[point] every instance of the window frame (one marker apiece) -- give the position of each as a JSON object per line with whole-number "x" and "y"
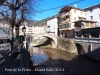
{"x": 91, "y": 17}
{"x": 91, "y": 10}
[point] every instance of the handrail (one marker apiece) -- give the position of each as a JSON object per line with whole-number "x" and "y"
{"x": 90, "y": 40}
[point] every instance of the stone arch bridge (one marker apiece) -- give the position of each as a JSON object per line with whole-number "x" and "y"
{"x": 59, "y": 42}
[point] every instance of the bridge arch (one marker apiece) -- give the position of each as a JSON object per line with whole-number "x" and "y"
{"x": 80, "y": 49}
{"x": 52, "y": 39}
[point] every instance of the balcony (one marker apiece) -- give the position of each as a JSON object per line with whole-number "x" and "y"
{"x": 88, "y": 35}
{"x": 64, "y": 20}
{"x": 64, "y": 26}
{"x": 64, "y": 15}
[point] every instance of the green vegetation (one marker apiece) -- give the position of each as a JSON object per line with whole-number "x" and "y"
{"x": 41, "y": 23}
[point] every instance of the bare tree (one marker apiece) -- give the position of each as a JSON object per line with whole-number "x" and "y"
{"x": 2, "y": 1}
{"x": 15, "y": 11}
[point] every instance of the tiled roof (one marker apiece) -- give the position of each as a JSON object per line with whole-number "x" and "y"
{"x": 68, "y": 8}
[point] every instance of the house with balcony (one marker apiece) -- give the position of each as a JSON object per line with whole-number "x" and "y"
{"x": 67, "y": 15}
{"x": 87, "y": 38}
{"x": 85, "y": 31}
{"x": 93, "y": 13}
{"x": 52, "y": 25}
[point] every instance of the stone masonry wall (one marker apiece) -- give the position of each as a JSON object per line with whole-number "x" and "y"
{"x": 91, "y": 49}
{"x": 67, "y": 44}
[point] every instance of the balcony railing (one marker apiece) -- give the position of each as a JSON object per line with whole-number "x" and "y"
{"x": 89, "y": 40}
{"x": 64, "y": 26}
{"x": 63, "y": 21}
{"x": 64, "y": 15}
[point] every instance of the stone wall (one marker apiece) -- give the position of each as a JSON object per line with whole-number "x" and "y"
{"x": 67, "y": 44}
{"x": 91, "y": 49}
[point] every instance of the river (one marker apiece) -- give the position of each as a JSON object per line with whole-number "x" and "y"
{"x": 57, "y": 62}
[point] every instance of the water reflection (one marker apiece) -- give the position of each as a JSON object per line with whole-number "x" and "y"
{"x": 72, "y": 64}
{"x": 39, "y": 56}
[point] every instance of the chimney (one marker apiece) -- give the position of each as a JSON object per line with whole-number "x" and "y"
{"x": 75, "y": 5}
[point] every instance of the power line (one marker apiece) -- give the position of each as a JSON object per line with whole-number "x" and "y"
{"x": 61, "y": 6}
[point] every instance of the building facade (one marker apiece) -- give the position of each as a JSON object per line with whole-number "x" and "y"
{"x": 82, "y": 30}
{"x": 33, "y": 30}
{"x": 93, "y": 13}
{"x": 87, "y": 38}
{"x": 52, "y": 25}
{"x": 39, "y": 29}
{"x": 67, "y": 15}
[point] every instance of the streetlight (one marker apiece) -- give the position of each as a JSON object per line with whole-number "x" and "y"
{"x": 24, "y": 30}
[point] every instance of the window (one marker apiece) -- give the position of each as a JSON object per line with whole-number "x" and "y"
{"x": 64, "y": 26}
{"x": 48, "y": 26}
{"x": 91, "y": 24}
{"x": 78, "y": 34}
{"x": 86, "y": 34}
{"x": 90, "y": 10}
{"x": 91, "y": 17}
{"x": 95, "y": 34}
{"x": 87, "y": 24}
{"x": 60, "y": 26}
{"x": 63, "y": 13}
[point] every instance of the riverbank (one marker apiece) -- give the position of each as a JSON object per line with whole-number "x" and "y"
{"x": 64, "y": 63}
{"x": 60, "y": 51}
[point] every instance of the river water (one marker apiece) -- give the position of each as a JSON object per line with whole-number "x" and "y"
{"x": 56, "y": 62}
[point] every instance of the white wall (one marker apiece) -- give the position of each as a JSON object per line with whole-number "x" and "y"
{"x": 76, "y": 15}
{"x": 95, "y": 13}
{"x": 53, "y": 23}
{"x": 39, "y": 29}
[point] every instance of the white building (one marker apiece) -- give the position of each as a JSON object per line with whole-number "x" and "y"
{"x": 39, "y": 29}
{"x": 93, "y": 13}
{"x": 52, "y": 25}
{"x": 33, "y": 29}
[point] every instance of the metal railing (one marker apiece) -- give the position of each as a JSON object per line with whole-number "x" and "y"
{"x": 89, "y": 40}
